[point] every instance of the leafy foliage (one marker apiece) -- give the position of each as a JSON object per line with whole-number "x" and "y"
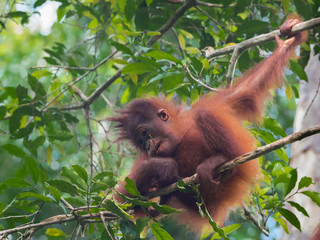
{"x": 59, "y": 160}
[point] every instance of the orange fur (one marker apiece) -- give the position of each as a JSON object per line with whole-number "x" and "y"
{"x": 207, "y": 135}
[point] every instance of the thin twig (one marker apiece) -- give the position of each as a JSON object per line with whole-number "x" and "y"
{"x": 208, "y": 16}
{"x": 105, "y": 224}
{"x": 314, "y": 97}
{"x": 58, "y": 219}
{"x": 213, "y": 4}
{"x": 232, "y": 64}
{"x": 198, "y": 80}
{"x": 255, "y": 221}
{"x": 172, "y": 21}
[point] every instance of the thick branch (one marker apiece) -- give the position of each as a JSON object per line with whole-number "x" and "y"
{"x": 264, "y": 38}
{"x": 243, "y": 158}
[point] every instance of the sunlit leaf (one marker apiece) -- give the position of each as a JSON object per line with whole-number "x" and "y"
{"x": 159, "y": 232}
{"x": 160, "y": 55}
{"x": 55, "y": 232}
{"x": 131, "y": 187}
{"x": 305, "y": 182}
{"x": 227, "y": 230}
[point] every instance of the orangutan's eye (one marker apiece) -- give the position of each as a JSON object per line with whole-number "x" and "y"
{"x": 163, "y": 114}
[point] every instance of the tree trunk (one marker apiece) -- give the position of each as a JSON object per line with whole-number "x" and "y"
{"x": 306, "y": 153}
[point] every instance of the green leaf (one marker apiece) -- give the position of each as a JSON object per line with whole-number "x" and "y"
{"x": 141, "y": 223}
{"x": 285, "y": 5}
{"x": 128, "y": 230}
{"x": 17, "y": 182}
{"x": 55, "y": 193}
{"x": 283, "y": 224}
{"x": 105, "y": 180}
{"x": 160, "y": 55}
{"x": 32, "y": 168}
{"x": 290, "y": 217}
{"x": 130, "y": 9}
{"x": 81, "y": 172}
{"x": 164, "y": 209}
{"x": 162, "y": 76}
{"x": 14, "y": 121}
{"x": 253, "y": 27}
{"x": 148, "y": 2}
{"x": 299, "y": 208}
{"x": 64, "y": 186}
{"x": 38, "y": 3}
{"x": 303, "y": 8}
{"x": 36, "y": 86}
{"x": 131, "y": 187}
{"x": 70, "y": 118}
{"x": 305, "y": 182}
{"x": 227, "y": 230}
{"x": 61, "y": 136}
{"x": 22, "y": 93}
{"x": 292, "y": 181}
{"x": 51, "y": 61}
{"x": 14, "y": 150}
{"x": 33, "y": 195}
{"x": 73, "y": 177}
{"x": 314, "y": 196}
{"x": 3, "y": 206}
{"x": 297, "y": 69}
{"x": 159, "y": 232}
{"x": 17, "y": 14}
{"x": 55, "y": 232}
{"x": 137, "y": 68}
{"x": 283, "y": 178}
{"x": 24, "y": 132}
{"x": 123, "y": 48}
{"x": 141, "y": 18}
{"x": 274, "y": 126}
{"x": 3, "y": 111}
{"x": 33, "y": 146}
{"x": 114, "y": 208}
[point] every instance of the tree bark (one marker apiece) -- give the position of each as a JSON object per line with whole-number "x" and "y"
{"x": 306, "y": 153}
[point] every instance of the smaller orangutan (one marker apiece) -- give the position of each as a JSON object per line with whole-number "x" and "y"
{"x": 175, "y": 142}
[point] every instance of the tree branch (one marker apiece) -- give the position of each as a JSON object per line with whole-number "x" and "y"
{"x": 232, "y": 64}
{"x": 173, "y": 187}
{"x": 243, "y": 158}
{"x": 58, "y": 219}
{"x": 264, "y": 38}
{"x": 259, "y": 40}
